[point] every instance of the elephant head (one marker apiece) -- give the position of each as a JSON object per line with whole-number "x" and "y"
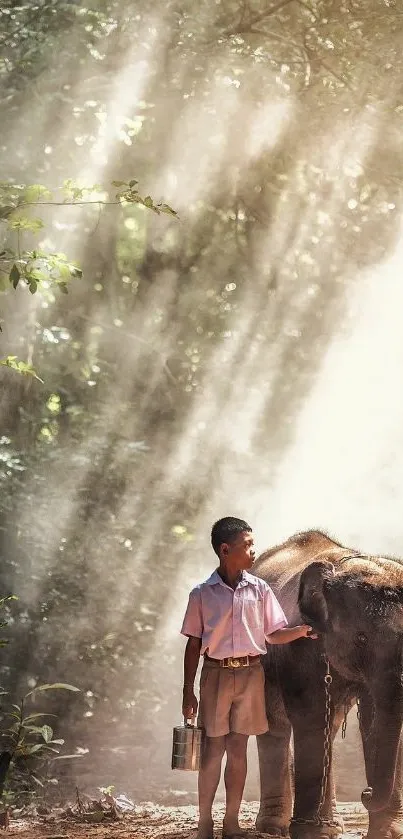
{"x": 359, "y": 613}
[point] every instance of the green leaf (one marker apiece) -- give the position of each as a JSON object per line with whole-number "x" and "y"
{"x": 19, "y": 221}
{"x": 15, "y": 275}
{"x": 132, "y": 183}
{"x": 32, "y": 729}
{"x": 119, "y": 183}
{"x": 32, "y": 717}
{"x": 148, "y": 202}
{"x": 47, "y": 733}
{"x": 35, "y": 274}
{"x": 165, "y": 208}
{"x": 63, "y": 288}
{"x": 33, "y": 285}
{"x": 30, "y": 750}
{"x": 20, "y": 366}
{"x": 64, "y": 270}
{"x": 34, "y": 193}
{"x": 55, "y": 686}
{"x": 107, "y": 790}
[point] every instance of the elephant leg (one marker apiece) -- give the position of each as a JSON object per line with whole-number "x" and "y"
{"x": 307, "y": 822}
{"x": 382, "y": 826}
{"x": 388, "y": 823}
{"x": 275, "y": 782}
{"x": 274, "y": 764}
{"x": 343, "y": 704}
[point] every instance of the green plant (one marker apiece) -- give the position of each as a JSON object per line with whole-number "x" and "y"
{"x": 22, "y": 367}
{"x": 41, "y": 269}
{"x": 38, "y": 267}
{"x": 29, "y": 747}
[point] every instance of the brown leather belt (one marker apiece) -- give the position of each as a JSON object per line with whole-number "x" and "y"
{"x": 233, "y": 662}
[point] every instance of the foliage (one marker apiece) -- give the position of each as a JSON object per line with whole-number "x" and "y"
{"x": 129, "y": 194}
{"x": 30, "y": 745}
{"x": 174, "y": 374}
{"x": 20, "y": 366}
{"x": 39, "y": 268}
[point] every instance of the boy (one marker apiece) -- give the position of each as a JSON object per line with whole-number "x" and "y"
{"x": 228, "y": 620}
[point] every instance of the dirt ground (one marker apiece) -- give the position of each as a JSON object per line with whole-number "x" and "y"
{"x": 149, "y": 821}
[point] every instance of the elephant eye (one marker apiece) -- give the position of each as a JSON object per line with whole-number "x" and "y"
{"x": 361, "y": 638}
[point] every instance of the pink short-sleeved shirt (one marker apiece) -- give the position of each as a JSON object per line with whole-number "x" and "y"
{"x": 233, "y": 622}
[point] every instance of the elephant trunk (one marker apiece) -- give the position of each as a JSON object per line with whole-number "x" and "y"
{"x": 385, "y": 747}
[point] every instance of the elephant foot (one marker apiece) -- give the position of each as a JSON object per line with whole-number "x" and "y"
{"x": 381, "y": 828}
{"x": 265, "y": 826}
{"x": 328, "y": 829}
{"x": 274, "y": 825}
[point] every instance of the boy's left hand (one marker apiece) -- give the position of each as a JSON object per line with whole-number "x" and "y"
{"x": 308, "y": 632}
{"x": 189, "y": 704}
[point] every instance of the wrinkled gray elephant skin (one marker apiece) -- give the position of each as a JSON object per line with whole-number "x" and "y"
{"x": 355, "y": 604}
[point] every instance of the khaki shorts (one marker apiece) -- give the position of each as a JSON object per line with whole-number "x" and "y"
{"x": 232, "y": 700}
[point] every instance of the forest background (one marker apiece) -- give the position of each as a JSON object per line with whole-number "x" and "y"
{"x": 238, "y": 354}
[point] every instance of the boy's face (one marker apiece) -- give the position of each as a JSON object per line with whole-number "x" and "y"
{"x": 240, "y": 552}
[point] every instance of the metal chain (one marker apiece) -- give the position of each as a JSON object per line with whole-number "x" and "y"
{"x": 327, "y": 745}
{"x": 344, "y": 723}
{"x": 318, "y": 822}
{"x": 359, "y": 718}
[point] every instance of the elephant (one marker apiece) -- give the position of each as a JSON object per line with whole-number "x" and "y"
{"x": 354, "y": 603}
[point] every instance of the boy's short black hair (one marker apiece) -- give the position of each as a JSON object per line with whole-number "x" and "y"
{"x": 224, "y": 530}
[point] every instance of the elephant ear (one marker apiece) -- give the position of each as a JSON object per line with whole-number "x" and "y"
{"x": 311, "y": 598}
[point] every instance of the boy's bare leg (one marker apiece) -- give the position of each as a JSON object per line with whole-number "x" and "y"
{"x": 234, "y": 778}
{"x": 209, "y": 778}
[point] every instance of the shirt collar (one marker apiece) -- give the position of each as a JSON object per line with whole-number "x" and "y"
{"x": 246, "y": 579}
{"x": 249, "y": 578}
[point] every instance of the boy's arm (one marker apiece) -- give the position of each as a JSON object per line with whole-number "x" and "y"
{"x": 192, "y": 627}
{"x": 190, "y": 665}
{"x": 292, "y": 633}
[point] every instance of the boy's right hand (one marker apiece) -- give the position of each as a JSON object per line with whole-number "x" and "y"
{"x": 189, "y": 704}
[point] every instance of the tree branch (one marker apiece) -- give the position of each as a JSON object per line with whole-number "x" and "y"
{"x": 240, "y": 28}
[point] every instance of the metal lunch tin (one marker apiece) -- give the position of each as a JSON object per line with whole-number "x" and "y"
{"x": 186, "y": 747}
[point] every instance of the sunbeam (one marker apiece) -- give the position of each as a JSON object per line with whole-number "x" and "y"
{"x": 242, "y": 358}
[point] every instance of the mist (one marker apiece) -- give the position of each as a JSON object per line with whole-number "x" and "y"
{"x": 241, "y": 359}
